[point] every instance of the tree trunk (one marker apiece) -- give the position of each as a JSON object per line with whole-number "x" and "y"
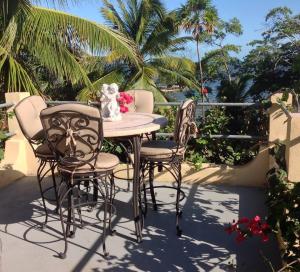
{"x": 226, "y": 66}
{"x": 201, "y": 77}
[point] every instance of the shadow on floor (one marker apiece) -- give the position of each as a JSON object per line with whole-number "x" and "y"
{"x": 204, "y": 246}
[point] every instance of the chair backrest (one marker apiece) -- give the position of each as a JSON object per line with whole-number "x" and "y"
{"x": 185, "y": 126}
{"x": 27, "y": 112}
{"x": 142, "y": 101}
{"x": 74, "y": 133}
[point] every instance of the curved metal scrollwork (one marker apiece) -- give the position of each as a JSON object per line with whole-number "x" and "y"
{"x": 186, "y": 127}
{"x": 75, "y": 138}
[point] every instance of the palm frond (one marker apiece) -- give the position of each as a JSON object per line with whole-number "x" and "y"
{"x": 179, "y": 69}
{"x": 14, "y": 75}
{"x": 90, "y": 93}
{"x": 87, "y": 35}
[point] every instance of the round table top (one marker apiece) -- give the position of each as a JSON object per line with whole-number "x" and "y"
{"x": 134, "y": 123}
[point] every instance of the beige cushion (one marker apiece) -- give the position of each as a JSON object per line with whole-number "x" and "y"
{"x": 143, "y": 101}
{"x": 160, "y": 149}
{"x": 85, "y": 126}
{"x": 27, "y": 112}
{"x": 43, "y": 151}
{"x": 104, "y": 162}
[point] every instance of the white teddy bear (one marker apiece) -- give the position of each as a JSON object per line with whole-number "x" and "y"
{"x": 109, "y": 103}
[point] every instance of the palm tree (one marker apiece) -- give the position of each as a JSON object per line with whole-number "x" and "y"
{"x": 51, "y": 37}
{"x": 155, "y": 33}
{"x": 199, "y": 18}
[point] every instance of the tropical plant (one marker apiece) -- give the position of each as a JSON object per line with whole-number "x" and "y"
{"x": 154, "y": 31}
{"x": 199, "y": 18}
{"x": 274, "y": 62}
{"x": 283, "y": 201}
{"x": 219, "y": 63}
{"x": 50, "y": 39}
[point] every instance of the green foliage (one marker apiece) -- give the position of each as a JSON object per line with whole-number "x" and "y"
{"x": 273, "y": 62}
{"x": 170, "y": 114}
{"x": 154, "y": 32}
{"x": 283, "y": 201}
{"x": 51, "y": 39}
{"x": 220, "y": 151}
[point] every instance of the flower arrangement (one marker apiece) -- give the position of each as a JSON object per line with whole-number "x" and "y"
{"x": 123, "y": 100}
{"x": 246, "y": 227}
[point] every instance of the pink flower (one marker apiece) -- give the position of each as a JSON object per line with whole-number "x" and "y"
{"x": 123, "y": 109}
{"x": 256, "y": 218}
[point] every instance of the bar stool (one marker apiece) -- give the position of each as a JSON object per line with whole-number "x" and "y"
{"x": 169, "y": 155}
{"x": 74, "y": 133}
{"x": 27, "y": 113}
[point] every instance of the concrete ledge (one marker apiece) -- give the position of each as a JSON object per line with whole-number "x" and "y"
{"x": 252, "y": 174}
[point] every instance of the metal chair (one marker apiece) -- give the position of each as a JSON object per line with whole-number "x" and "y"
{"x": 74, "y": 132}
{"x": 169, "y": 154}
{"x": 27, "y": 113}
{"x": 143, "y": 102}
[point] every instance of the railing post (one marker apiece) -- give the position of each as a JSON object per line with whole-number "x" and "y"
{"x": 18, "y": 157}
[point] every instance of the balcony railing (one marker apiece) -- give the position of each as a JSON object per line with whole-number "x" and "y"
{"x": 199, "y": 104}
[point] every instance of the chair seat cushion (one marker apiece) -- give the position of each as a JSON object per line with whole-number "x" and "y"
{"x": 44, "y": 152}
{"x": 160, "y": 149}
{"x": 104, "y": 162}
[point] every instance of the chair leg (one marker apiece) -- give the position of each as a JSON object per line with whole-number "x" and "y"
{"x": 106, "y": 201}
{"x": 68, "y": 228}
{"x": 178, "y": 212}
{"x": 40, "y": 179}
{"x": 63, "y": 254}
{"x": 127, "y": 169}
{"x": 151, "y": 179}
{"x": 111, "y": 202}
{"x": 52, "y": 166}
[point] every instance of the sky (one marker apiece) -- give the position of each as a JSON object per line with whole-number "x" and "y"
{"x": 250, "y": 13}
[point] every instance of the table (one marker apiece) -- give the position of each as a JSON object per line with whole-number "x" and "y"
{"x": 131, "y": 127}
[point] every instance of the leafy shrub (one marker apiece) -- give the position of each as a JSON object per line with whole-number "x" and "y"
{"x": 283, "y": 201}
{"x": 221, "y": 151}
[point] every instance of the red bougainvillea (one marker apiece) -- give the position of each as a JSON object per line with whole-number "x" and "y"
{"x": 204, "y": 91}
{"x": 246, "y": 227}
{"x": 124, "y": 100}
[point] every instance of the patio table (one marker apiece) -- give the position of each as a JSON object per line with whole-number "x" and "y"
{"x": 131, "y": 127}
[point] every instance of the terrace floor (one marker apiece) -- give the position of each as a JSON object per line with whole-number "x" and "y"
{"x": 204, "y": 246}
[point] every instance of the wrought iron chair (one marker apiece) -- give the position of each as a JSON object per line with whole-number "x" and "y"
{"x": 169, "y": 154}
{"x": 27, "y": 113}
{"x": 74, "y": 132}
{"x": 143, "y": 102}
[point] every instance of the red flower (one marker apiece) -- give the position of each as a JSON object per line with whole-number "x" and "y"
{"x": 246, "y": 227}
{"x": 256, "y": 218}
{"x": 123, "y": 109}
{"x": 204, "y": 91}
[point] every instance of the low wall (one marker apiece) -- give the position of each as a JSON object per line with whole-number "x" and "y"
{"x": 251, "y": 174}
{"x": 19, "y": 159}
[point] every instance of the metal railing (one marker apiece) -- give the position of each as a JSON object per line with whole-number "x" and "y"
{"x": 3, "y": 106}
{"x": 6, "y": 105}
{"x": 172, "y": 104}
{"x": 217, "y": 104}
